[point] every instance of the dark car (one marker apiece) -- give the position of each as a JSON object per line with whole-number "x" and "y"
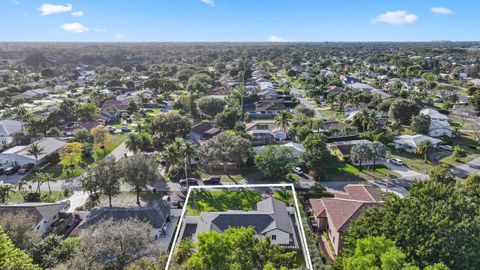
{"x": 191, "y": 181}
{"x": 212, "y": 180}
{"x": 26, "y": 168}
{"x": 474, "y": 166}
{"x": 11, "y": 170}
{"x": 125, "y": 129}
{"x": 163, "y": 163}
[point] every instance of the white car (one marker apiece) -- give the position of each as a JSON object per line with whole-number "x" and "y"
{"x": 396, "y": 161}
{"x": 298, "y": 170}
{"x": 445, "y": 147}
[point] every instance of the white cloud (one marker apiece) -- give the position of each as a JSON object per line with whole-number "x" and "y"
{"x": 395, "y": 17}
{"x": 47, "y": 9}
{"x": 120, "y": 36}
{"x": 275, "y": 39}
{"x": 16, "y": 2}
{"x": 442, "y": 10}
{"x": 209, "y": 2}
{"x": 77, "y": 13}
{"x": 74, "y": 27}
{"x": 100, "y": 30}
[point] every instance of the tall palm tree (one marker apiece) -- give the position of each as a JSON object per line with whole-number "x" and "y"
{"x": 132, "y": 143}
{"x": 5, "y": 192}
{"x": 283, "y": 119}
{"x": 424, "y": 149}
{"x": 41, "y": 178}
{"x": 22, "y": 114}
{"x": 362, "y": 118}
{"x": 35, "y": 150}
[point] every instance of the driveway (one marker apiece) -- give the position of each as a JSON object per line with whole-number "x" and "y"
{"x": 405, "y": 172}
{"x": 305, "y": 102}
{"x": 465, "y": 170}
{"x": 76, "y": 200}
{"x": 12, "y": 179}
{"x": 120, "y": 152}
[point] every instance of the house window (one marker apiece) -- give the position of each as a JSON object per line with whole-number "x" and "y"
{"x": 274, "y": 237}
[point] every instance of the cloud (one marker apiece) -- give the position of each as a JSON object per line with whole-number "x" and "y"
{"x": 47, "y": 9}
{"x": 275, "y": 39}
{"x": 395, "y": 17}
{"x": 209, "y": 2}
{"x": 16, "y": 2}
{"x": 77, "y": 13}
{"x": 120, "y": 36}
{"x": 442, "y": 10}
{"x": 99, "y": 30}
{"x": 74, "y": 27}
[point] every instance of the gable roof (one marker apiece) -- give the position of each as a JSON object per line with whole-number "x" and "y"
{"x": 434, "y": 114}
{"x": 49, "y": 145}
{"x": 118, "y": 104}
{"x": 38, "y": 211}
{"x": 155, "y": 216}
{"x": 9, "y": 127}
{"x": 415, "y": 140}
{"x": 201, "y": 128}
{"x": 346, "y": 206}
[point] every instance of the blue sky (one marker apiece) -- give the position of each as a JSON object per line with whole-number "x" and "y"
{"x": 239, "y": 20}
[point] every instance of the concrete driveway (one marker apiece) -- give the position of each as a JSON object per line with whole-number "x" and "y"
{"x": 305, "y": 102}
{"x": 12, "y": 179}
{"x": 465, "y": 170}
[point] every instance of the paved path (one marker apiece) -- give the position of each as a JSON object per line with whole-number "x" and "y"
{"x": 469, "y": 168}
{"x": 78, "y": 199}
{"x": 120, "y": 151}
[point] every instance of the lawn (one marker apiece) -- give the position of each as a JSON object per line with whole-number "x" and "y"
{"x": 115, "y": 140}
{"x": 412, "y": 161}
{"x": 342, "y": 171}
{"x": 16, "y": 197}
{"x": 129, "y": 199}
{"x": 299, "y": 259}
{"x": 222, "y": 200}
{"x": 233, "y": 175}
{"x": 285, "y": 196}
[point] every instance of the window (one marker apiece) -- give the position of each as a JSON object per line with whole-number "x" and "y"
{"x": 274, "y": 237}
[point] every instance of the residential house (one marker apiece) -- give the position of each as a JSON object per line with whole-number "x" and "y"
{"x": 335, "y": 214}
{"x": 434, "y": 114}
{"x": 8, "y": 128}
{"x": 410, "y": 143}
{"x": 439, "y": 128}
{"x": 157, "y": 216}
{"x": 44, "y": 215}
{"x": 265, "y": 132}
{"x": 202, "y": 131}
{"x": 335, "y": 90}
{"x": 272, "y": 219}
{"x": 268, "y": 108}
{"x": 341, "y": 149}
{"x": 297, "y": 149}
{"x": 334, "y": 129}
{"x": 119, "y": 105}
{"x": 19, "y": 154}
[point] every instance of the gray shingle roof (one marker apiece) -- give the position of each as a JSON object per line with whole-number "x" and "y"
{"x": 9, "y": 127}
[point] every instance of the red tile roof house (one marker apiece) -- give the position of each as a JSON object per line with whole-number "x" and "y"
{"x": 334, "y": 214}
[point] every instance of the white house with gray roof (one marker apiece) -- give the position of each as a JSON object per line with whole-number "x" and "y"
{"x": 7, "y": 130}
{"x": 19, "y": 154}
{"x": 272, "y": 219}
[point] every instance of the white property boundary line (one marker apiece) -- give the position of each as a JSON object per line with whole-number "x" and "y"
{"x": 306, "y": 252}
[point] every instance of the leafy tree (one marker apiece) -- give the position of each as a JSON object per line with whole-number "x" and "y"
{"x": 402, "y": 110}
{"x": 376, "y": 253}
{"x": 140, "y": 171}
{"x": 101, "y": 136}
{"x": 5, "y": 191}
{"x": 438, "y": 222}
{"x": 424, "y": 149}
{"x": 11, "y": 257}
{"x": 165, "y": 127}
{"x": 275, "y": 161}
{"x": 71, "y": 157}
{"x": 316, "y": 155}
{"x": 68, "y": 109}
{"x": 83, "y": 135}
{"x": 184, "y": 250}
{"x": 366, "y": 120}
{"x": 132, "y": 143}
{"x": 87, "y": 112}
{"x": 224, "y": 149}
{"x": 113, "y": 245}
{"x": 237, "y": 248}
{"x": 178, "y": 153}
{"x": 475, "y": 100}
{"x": 283, "y": 119}
{"x": 420, "y": 124}
{"x": 227, "y": 118}
{"x": 458, "y": 153}
{"x": 20, "y": 228}
{"x": 211, "y": 106}
{"x": 302, "y": 110}
{"x": 107, "y": 173}
{"x": 35, "y": 150}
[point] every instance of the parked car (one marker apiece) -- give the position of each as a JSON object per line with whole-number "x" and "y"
{"x": 475, "y": 166}
{"x": 12, "y": 169}
{"x": 396, "y": 161}
{"x": 125, "y": 129}
{"x": 212, "y": 180}
{"x": 112, "y": 129}
{"x": 445, "y": 147}
{"x": 298, "y": 170}
{"x": 191, "y": 181}
{"x": 26, "y": 168}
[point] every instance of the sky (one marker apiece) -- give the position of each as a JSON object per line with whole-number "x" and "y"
{"x": 239, "y": 20}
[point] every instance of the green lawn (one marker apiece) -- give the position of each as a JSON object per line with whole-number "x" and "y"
{"x": 299, "y": 259}
{"x": 222, "y": 200}
{"x": 233, "y": 175}
{"x": 285, "y": 196}
{"x": 16, "y": 197}
{"x": 115, "y": 140}
{"x": 342, "y": 171}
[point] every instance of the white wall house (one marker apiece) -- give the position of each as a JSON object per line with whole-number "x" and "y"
{"x": 439, "y": 129}
{"x": 8, "y": 128}
{"x": 19, "y": 154}
{"x": 409, "y": 143}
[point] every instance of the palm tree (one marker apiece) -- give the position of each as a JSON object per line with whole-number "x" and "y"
{"x": 362, "y": 118}
{"x": 132, "y": 143}
{"x": 41, "y": 178}
{"x": 5, "y": 192}
{"x": 424, "y": 149}
{"x": 35, "y": 150}
{"x": 283, "y": 120}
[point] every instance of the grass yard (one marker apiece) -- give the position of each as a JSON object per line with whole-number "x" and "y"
{"x": 412, "y": 161}
{"x": 285, "y": 196}
{"x": 16, "y": 197}
{"x": 342, "y": 171}
{"x": 129, "y": 199}
{"x": 233, "y": 175}
{"x": 222, "y": 200}
{"x": 115, "y": 140}
{"x": 299, "y": 259}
